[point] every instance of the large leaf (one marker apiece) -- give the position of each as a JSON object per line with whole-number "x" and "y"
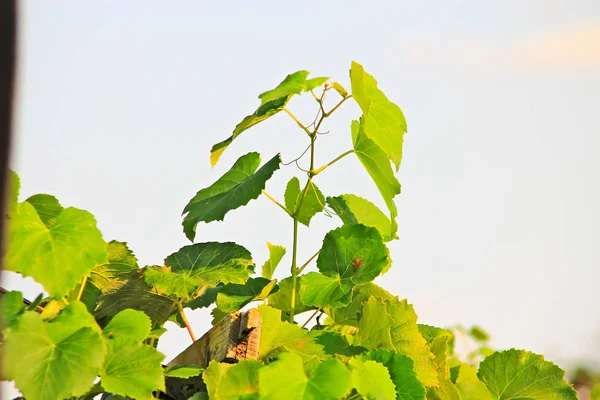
{"x": 196, "y": 267}
{"x": 53, "y": 360}
{"x": 392, "y": 324}
{"x": 129, "y": 323}
{"x": 372, "y": 380}
{"x": 401, "y": 369}
{"x": 348, "y": 315}
{"x": 355, "y": 210}
{"x": 230, "y": 382}
{"x": 303, "y": 206}
{"x": 11, "y": 308}
{"x": 445, "y": 389}
{"x": 136, "y": 294}
{"x": 115, "y": 271}
{"x": 350, "y": 255}
{"x": 58, "y": 252}
{"x": 384, "y": 121}
{"x": 469, "y": 386}
{"x": 276, "y": 253}
{"x": 236, "y": 188}
{"x": 272, "y": 102}
{"x": 286, "y": 379}
{"x": 518, "y": 374}
{"x": 378, "y": 166}
{"x": 233, "y": 296}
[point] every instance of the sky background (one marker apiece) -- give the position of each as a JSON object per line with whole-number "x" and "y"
{"x": 118, "y": 104}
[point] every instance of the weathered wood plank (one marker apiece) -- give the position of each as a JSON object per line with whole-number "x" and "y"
{"x": 236, "y": 337}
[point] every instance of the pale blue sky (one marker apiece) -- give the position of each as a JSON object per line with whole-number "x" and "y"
{"x": 119, "y": 103}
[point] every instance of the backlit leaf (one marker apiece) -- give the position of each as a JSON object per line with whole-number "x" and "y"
{"x": 116, "y": 269}
{"x": 57, "y": 254}
{"x": 242, "y": 183}
{"x": 276, "y": 253}
{"x": 340, "y": 89}
{"x": 355, "y": 210}
{"x": 378, "y": 166}
{"x": 372, "y": 380}
{"x": 519, "y": 374}
{"x": 232, "y": 382}
{"x": 183, "y": 371}
{"x": 303, "y": 206}
{"x": 445, "y": 390}
{"x": 469, "y": 386}
{"x": 11, "y": 308}
{"x": 285, "y": 378}
{"x": 401, "y": 369}
{"x": 129, "y": 323}
{"x": 281, "y": 299}
{"x": 384, "y": 121}
{"x": 348, "y": 315}
{"x": 45, "y": 359}
{"x": 350, "y": 255}
{"x": 392, "y": 324}
{"x": 233, "y": 296}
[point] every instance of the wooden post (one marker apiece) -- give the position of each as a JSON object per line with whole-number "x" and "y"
{"x": 234, "y": 338}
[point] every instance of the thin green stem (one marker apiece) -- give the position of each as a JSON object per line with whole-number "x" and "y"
{"x": 329, "y": 164}
{"x": 276, "y": 202}
{"x": 306, "y": 263}
{"x": 294, "y": 271}
{"x": 311, "y": 317}
{"x": 83, "y": 282}
{"x": 297, "y": 121}
{"x": 186, "y": 322}
{"x": 327, "y": 114}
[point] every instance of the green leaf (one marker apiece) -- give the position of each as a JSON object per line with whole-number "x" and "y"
{"x": 14, "y": 186}
{"x": 384, "y": 121}
{"x": 335, "y": 344}
{"x": 350, "y": 255}
{"x": 281, "y": 299}
{"x": 45, "y": 359}
{"x": 401, "y": 369}
{"x": 479, "y": 335}
{"x": 115, "y": 271}
{"x": 372, "y": 380}
{"x": 47, "y": 207}
{"x": 469, "y": 386}
{"x": 236, "y": 188}
{"x": 519, "y": 374}
{"x": 445, "y": 389}
{"x": 232, "y": 296}
{"x": 378, "y": 166}
{"x": 11, "y": 308}
{"x": 136, "y": 294}
{"x": 356, "y": 210}
{"x": 57, "y": 255}
{"x": 286, "y": 379}
{"x": 132, "y": 369}
{"x": 200, "y": 265}
{"x": 129, "y": 323}
{"x": 595, "y": 395}
{"x": 313, "y": 202}
{"x": 157, "y": 333}
{"x": 430, "y": 333}
{"x": 392, "y": 324}
{"x": 276, "y": 253}
{"x": 272, "y": 102}
{"x": 183, "y": 371}
{"x": 206, "y": 299}
{"x": 360, "y": 294}
{"x": 218, "y": 315}
{"x": 340, "y": 89}
{"x": 234, "y": 381}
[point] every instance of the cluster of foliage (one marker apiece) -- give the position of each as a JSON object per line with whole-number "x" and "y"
{"x": 96, "y": 332}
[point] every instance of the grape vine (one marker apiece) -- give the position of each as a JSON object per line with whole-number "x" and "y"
{"x": 95, "y": 330}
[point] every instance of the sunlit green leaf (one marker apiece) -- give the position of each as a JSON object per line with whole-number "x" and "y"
{"x": 469, "y": 386}
{"x": 430, "y": 333}
{"x": 14, "y": 186}
{"x": 276, "y": 253}
{"x": 236, "y": 188}
{"x": 56, "y": 255}
{"x": 335, "y": 344}
{"x": 392, "y": 324}
{"x": 282, "y": 299}
{"x": 233, "y": 296}
{"x": 206, "y": 299}
{"x": 272, "y": 102}
{"x": 351, "y": 255}
{"x": 401, "y": 369}
{"x": 129, "y": 323}
{"x": 234, "y": 381}
{"x": 285, "y": 378}
{"x": 183, "y": 371}
{"x": 340, "y": 89}
{"x": 356, "y": 210}
{"x": 53, "y": 360}
{"x": 519, "y": 374}
{"x": 115, "y": 271}
{"x": 348, "y": 315}
{"x": 11, "y": 308}
{"x": 379, "y": 168}
{"x": 384, "y": 121}
{"x": 200, "y": 265}
{"x": 372, "y": 380}
{"x": 445, "y": 390}
{"x": 303, "y": 206}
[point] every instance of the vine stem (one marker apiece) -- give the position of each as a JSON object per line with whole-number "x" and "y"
{"x": 327, "y": 114}
{"x": 311, "y": 317}
{"x": 83, "y": 282}
{"x": 308, "y": 262}
{"x": 329, "y": 164}
{"x": 276, "y": 202}
{"x": 297, "y": 121}
{"x": 186, "y": 322}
